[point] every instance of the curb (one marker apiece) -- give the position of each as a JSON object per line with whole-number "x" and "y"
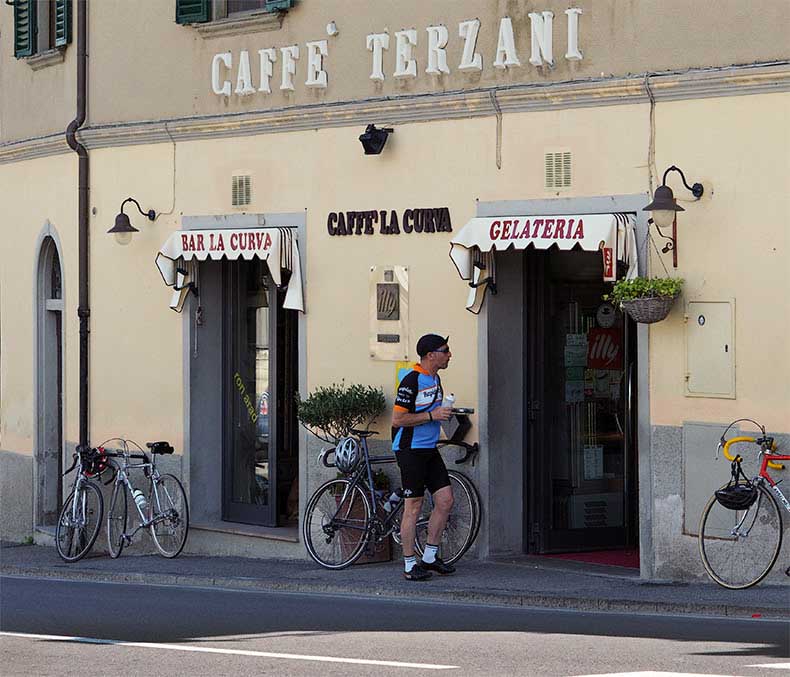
{"x": 527, "y": 600}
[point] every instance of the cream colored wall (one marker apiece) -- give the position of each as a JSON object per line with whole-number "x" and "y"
{"x": 137, "y": 388}
{"x": 424, "y": 165}
{"x": 33, "y": 193}
{"x": 734, "y": 243}
{"x": 144, "y": 66}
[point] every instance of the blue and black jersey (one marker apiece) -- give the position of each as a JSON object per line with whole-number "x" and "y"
{"x": 418, "y": 392}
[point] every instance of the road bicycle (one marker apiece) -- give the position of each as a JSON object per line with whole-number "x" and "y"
{"x": 80, "y": 517}
{"x": 740, "y": 531}
{"x": 162, "y": 509}
{"x": 345, "y": 516}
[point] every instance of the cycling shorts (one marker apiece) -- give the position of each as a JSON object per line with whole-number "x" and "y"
{"x": 421, "y": 469}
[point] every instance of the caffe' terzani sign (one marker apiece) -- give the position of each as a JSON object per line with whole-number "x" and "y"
{"x": 384, "y": 222}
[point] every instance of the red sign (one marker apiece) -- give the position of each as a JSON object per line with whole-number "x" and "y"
{"x": 608, "y": 263}
{"x": 604, "y": 349}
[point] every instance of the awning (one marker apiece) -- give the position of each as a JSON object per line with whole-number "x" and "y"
{"x": 276, "y": 246}
{"x": 472, "y": 249}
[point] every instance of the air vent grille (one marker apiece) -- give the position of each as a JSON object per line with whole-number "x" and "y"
{"x": 558, "y": 170}
{"x": 241, "y": 193}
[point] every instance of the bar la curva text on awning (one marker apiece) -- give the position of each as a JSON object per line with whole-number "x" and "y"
{"x": 387, "y": 222}
{"x": 403, "y": 62}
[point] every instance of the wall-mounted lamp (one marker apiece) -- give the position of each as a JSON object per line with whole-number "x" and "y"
{"x": 123, "y": 228}
{"x": 664, "y": 208}
{"x": 373, "y": 139}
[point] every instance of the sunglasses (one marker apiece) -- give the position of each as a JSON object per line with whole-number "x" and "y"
{"x": 446, "y": 349}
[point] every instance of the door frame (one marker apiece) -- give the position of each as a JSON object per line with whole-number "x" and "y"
{"x": 47, "y": 242}
{"x": 201, "y": 326}
{"x": 490, "y": 374}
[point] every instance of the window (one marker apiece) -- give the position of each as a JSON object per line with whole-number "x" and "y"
{"x": 202, "y": 11}
{"x": 41, "y": 26}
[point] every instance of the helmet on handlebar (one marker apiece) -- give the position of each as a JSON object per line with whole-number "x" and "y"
{"x": 94, "y": 462}
{"x": 347, "y": 454}
{"x": 737, "y": 496}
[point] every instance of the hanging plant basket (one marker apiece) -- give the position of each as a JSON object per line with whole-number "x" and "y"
{"x": 646, "y": 300}
{"x": 649, "y": 309}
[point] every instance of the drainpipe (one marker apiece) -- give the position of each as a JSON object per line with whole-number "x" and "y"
{"x": 83, "y": 311}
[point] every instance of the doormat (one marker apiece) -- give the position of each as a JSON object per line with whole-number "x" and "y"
{"x": 612, "y": 558}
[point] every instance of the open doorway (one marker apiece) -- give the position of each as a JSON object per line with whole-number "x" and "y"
{"x": 580, "y": 456}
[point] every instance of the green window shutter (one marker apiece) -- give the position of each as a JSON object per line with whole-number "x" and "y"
{"x": 193, "y": 11}
{"x": 62, "y": 22}
{"x": 25, "y": 28}
{"x": 279, "y": 5}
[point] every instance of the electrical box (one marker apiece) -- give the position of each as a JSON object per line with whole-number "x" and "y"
{"x": 389, "y": 313}
{"x": 710, "y": 349}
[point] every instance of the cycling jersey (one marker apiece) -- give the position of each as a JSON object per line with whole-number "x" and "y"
{"x": 418, "y": 392}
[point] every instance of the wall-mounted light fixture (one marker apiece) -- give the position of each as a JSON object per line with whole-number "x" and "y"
{"x": 373, "y": 139}
{"x": 664, "y": 208}
{"x": 123, "y": 228}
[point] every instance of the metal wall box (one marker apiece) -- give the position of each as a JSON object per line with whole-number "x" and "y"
{"x": 710, "y": 349}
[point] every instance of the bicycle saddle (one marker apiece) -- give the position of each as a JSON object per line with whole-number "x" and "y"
{"x": 159, "y": 447}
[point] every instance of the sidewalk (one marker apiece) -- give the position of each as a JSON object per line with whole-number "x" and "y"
{"x": 529, "y": 582}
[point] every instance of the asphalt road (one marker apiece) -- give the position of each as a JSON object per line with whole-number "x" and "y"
{"x": 50, "y": 627}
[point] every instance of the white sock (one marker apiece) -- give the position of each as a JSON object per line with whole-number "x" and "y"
{"x": 429, "y": 556}
{"x": 409, "y": 563}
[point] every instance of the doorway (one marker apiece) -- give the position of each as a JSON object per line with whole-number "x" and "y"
{"x": 260, "y": 365}
{"x": 49, "y": 363}
{"x": 580, "y": 451}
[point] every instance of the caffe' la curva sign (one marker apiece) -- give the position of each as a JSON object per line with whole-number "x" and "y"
{"x": 388, "y": 222}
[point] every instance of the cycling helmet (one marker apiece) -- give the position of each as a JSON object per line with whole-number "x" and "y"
{"x": 95, "y": 462}
{"x": 346, "y": 454}
{"x": 737, "y": 496}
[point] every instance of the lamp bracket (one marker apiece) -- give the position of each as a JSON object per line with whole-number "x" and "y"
{"x": 151, "y": 214}
{"x": 696, "y": 190}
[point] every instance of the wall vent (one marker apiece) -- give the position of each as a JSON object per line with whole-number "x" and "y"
{"x": 558, "y": 170}
{"x": 241, "y": 192}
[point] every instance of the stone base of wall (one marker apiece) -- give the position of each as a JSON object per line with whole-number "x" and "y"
{"x": 685, "y": 473}
{"x": 16, "y": 496}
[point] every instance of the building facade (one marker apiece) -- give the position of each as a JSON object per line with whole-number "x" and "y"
{"x": 526, "y": 139}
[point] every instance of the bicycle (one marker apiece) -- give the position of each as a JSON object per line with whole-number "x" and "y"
{"x": 344, "y": 516}
{"x": 81, "y": 515}
{"x": 163, "y": 509}
{"x": 740, "y": 531}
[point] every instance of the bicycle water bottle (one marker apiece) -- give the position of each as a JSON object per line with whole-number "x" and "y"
{"x": 392, "y": 501}
{"x": 449, "y": 400}
{"x": 139, "y": 498}
{"x": 449, "y": 425}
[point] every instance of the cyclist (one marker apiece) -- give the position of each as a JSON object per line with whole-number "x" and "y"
{"x": 415, "y": 431}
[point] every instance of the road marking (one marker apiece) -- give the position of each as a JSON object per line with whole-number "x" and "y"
{"x": 233, "y": 652}
{"x": 777, "y": 666}
{"x": 654, "y": 674}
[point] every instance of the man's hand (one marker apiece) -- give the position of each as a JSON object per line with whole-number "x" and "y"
{"x": 442, "y": 413}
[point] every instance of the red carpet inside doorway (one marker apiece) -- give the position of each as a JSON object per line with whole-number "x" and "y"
{"x": 617, "y": 558}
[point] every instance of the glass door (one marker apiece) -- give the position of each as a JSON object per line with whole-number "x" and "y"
{"x": 260, "y": 428}
{"x": 579, "y": 442}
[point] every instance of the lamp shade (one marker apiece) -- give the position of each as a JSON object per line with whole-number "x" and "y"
{"x": 123, "y": 229}
{"x": 663, "y": 207}
{"x": 373, "y": 139}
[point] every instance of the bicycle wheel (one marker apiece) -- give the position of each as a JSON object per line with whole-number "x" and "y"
{"x": 475, "y": 500}
{"x": 336, "y": 524}
{"x": 169, "y": 510}
{"x": 79, "y": 522}
{"x": 116, "y": 520}
{"x": 739, "y": 547}
{"x": 459, "y": 531}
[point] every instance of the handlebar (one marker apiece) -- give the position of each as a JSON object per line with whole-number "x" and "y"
{"x": 766, "y": 444}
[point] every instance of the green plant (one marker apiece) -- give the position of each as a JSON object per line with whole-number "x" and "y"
{"x": 330, "y": 412}
{"x": 644, "y": 287}
{"x": 28, "y": 540}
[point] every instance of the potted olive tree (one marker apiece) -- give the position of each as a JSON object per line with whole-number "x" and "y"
{"x": 646, "y": 300}
{"x": 331, "y": 412}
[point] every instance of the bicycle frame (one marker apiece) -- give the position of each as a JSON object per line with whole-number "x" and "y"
{"x": 768, "y": 458}
{"x": 149, "y": 467}
{"x": 363, "y": 477}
